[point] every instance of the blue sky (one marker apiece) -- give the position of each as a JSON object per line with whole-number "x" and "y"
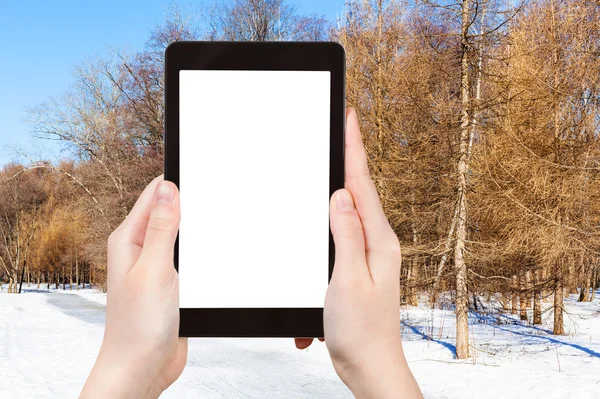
{"x": 41, "y": 41}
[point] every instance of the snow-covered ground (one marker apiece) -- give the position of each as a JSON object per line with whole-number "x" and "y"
{"x": 509, "y": 359}
{"x": 49, "y": 341}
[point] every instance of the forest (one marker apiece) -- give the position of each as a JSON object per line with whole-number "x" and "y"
{"x": 481, "y": 121}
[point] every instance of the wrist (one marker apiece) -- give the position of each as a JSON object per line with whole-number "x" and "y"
{"x": 120, "y": 377}
{"x": 379, "y": 376}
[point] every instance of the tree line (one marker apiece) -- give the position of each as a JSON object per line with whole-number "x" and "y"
{"x": 480, "y": 120}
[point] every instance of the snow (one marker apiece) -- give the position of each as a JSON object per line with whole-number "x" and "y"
{"x": 49, "y": 340}
{"x": 510, "y": 359}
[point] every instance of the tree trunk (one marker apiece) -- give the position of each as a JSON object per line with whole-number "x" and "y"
{"x": 405, "y": 289}
{"x": 22, "y": 275}
{"x": 505, "y": 300}
{"x": 444, "y": 259}
{"x": 413, "y": 299}
{"x": 559, "y": 328}
{"x": 528, "y": 286}
{"x": 412, "y": 290}
{"x": 584, "y": 294}
{"x": 522, "y": 298}
{"x": 475, "y": 305}
{"x": 462, "y": 296}
{"x": 594, "y": 282}
{"x": 513, "y": 304}
{"x": 537, "y": 303}
{"x": 76, "y": 271}
{"x": 537, "y": 308}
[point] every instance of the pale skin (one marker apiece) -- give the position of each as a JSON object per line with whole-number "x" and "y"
{"x": 141, "y": 354}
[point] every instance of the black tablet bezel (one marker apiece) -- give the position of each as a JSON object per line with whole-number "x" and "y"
{"x": 285, "y": 56}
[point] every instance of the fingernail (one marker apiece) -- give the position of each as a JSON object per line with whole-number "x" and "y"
{"x": 344, "y": 201}
{"x": 164, "y": 193}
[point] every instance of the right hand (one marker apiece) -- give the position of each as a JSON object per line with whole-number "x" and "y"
{"x": 362, "y": 306}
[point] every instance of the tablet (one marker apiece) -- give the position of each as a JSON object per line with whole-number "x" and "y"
{"x": 255, "y": 142}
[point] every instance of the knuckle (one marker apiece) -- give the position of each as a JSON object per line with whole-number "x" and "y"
{"x": 395, "y": 251}
{"x": 161, "y": 223}
{"x": 363, "y": 177}
{"x": 388, "y": 247}
{"x": 113, "y": 239}
{"x": 349, "y": 232}
{"x": 394, "y": 246}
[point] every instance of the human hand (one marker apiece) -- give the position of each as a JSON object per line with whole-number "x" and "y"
{"x": 141, "y": 353}
{"x": 361, "y": 315}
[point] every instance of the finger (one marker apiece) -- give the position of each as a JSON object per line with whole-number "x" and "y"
{"x": 125, "y": 243}
{"x": 380, "y": 239}
{"x": 348, "y": 236}
{"x": 162, "y": 226}
{"x": 141, "y": 208}
{"x": 303, "y": 343}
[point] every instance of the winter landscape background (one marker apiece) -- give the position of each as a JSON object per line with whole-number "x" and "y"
{"x": 481, "y": 124}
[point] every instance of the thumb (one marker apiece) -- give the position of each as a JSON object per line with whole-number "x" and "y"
{"x": 348, "y": 236}
{"x": 163, "y": 224}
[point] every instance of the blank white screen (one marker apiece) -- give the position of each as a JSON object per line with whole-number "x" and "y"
{"x": 254, "y": 183}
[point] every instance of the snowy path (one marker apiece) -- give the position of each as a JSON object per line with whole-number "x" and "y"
{"x": 49, "y": 341}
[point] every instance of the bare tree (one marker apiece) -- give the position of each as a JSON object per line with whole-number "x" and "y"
{"x": 252, "y": 20}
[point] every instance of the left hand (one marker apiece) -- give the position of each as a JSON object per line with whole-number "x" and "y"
{"x": 141, "y": 353}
